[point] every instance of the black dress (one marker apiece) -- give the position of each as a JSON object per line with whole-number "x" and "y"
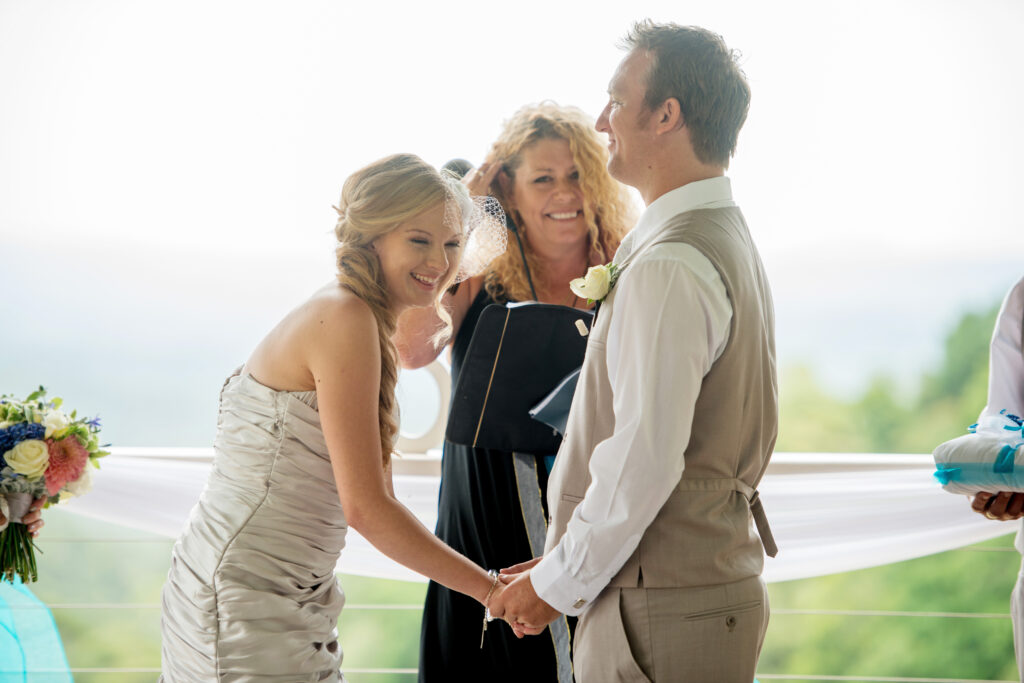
{"x": 480, "y": 515}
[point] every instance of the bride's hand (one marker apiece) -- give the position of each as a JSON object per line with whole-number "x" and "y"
{"x": 495, "y": 604}
{"x": 33, "y": 519}
{"x": 496, "y": 609}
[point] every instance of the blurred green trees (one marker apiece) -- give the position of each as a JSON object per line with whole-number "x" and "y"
{"x": 882, "y": 419}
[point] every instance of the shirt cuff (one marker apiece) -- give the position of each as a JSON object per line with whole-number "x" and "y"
{"x": 555, "y": 586}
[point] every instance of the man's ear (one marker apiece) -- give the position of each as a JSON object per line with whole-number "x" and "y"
{"x": 669, "y": 116}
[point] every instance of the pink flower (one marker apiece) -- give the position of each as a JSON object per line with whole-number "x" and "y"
{"x": 68, "y": 457}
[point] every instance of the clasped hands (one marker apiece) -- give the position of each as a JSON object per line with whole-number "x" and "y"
{"x": 518, "y": 603}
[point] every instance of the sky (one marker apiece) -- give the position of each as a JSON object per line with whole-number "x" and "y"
{"x": 167, "y": 169}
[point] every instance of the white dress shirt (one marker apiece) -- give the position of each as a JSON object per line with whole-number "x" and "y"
{"x": 670, "y": 323}
{"x": 1006, "y": 364}
{"x": 1006, "y": 392}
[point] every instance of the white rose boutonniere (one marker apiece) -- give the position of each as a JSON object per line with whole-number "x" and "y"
{"x": 595, "y": 285}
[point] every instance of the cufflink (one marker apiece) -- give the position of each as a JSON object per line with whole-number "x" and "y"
{"x": 580, "y": 602}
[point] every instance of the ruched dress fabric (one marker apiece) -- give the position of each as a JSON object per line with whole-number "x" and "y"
{"x": 251, "y": 594}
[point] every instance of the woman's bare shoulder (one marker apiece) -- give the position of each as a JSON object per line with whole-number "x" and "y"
{"x": 337, "y": 312}
{"x": 341, "y": 341}
{"x": 337, "y": 300}
{"x": 329, "y": 326}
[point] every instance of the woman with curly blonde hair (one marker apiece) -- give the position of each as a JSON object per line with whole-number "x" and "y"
{"x": 548, "y": 169}
{"x": 304, "y": 439}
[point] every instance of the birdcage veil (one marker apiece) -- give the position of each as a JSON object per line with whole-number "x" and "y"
{"x": 481, "y": 223}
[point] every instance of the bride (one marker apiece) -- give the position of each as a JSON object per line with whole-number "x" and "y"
{"x": 303, "y": 450}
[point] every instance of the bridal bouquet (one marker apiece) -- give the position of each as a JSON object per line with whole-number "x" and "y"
{"x": 44, "y": 453}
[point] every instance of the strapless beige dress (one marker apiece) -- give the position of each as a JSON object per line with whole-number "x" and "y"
{"x": 251, "y": 594}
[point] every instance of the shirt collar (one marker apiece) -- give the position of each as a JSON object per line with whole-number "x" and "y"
{"x": 702, "y": 194}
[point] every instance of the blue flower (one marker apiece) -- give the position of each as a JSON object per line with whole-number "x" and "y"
{"x": 15, "y": 434}
{"x": 94, "y": 423}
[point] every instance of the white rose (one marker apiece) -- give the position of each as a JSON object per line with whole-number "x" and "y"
{"x": 29, "y": 458}
{"x": 4, "y": 424}
{"x": 594, "y": 285}
{"x": 80, "y": 486}
{"x": 54, "y": 421}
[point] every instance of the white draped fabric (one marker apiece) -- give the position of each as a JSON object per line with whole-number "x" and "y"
{"x": 829, "y": 512}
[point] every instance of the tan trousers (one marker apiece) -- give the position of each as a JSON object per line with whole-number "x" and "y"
{"x": 711, "y": 634}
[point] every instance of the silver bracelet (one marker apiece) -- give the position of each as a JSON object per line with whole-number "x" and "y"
{"x": 487, "y": 610}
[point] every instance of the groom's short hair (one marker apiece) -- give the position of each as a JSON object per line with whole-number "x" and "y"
{"x": 695, "y": 66}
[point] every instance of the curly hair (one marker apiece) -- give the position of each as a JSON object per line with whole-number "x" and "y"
{"x": 374, "y": 201}
{"x": 607, "y": 207}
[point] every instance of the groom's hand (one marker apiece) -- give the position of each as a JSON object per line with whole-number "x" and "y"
{"x": 522, "y": 608}
{"x": 509, "y": 573}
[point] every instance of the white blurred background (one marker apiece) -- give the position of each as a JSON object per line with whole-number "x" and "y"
{"x": 167, "y": 169}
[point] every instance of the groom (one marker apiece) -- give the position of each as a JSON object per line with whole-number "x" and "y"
{"x": 652, "y": 540}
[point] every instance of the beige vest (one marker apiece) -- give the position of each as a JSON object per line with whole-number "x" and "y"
{"x": 704, "y": 534}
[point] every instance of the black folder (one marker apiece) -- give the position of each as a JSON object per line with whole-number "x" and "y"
{"x": 518, "y": 355}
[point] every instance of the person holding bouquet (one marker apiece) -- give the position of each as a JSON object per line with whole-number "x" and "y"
{"x": 46, "y": 456}
{"x": 306, "y": 431}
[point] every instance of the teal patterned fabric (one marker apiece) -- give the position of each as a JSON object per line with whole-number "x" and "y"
{"x": 30, "y": 646}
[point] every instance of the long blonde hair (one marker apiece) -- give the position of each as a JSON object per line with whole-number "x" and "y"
{"x": 374, "y": 201}
{"x": 607, "y": 207}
